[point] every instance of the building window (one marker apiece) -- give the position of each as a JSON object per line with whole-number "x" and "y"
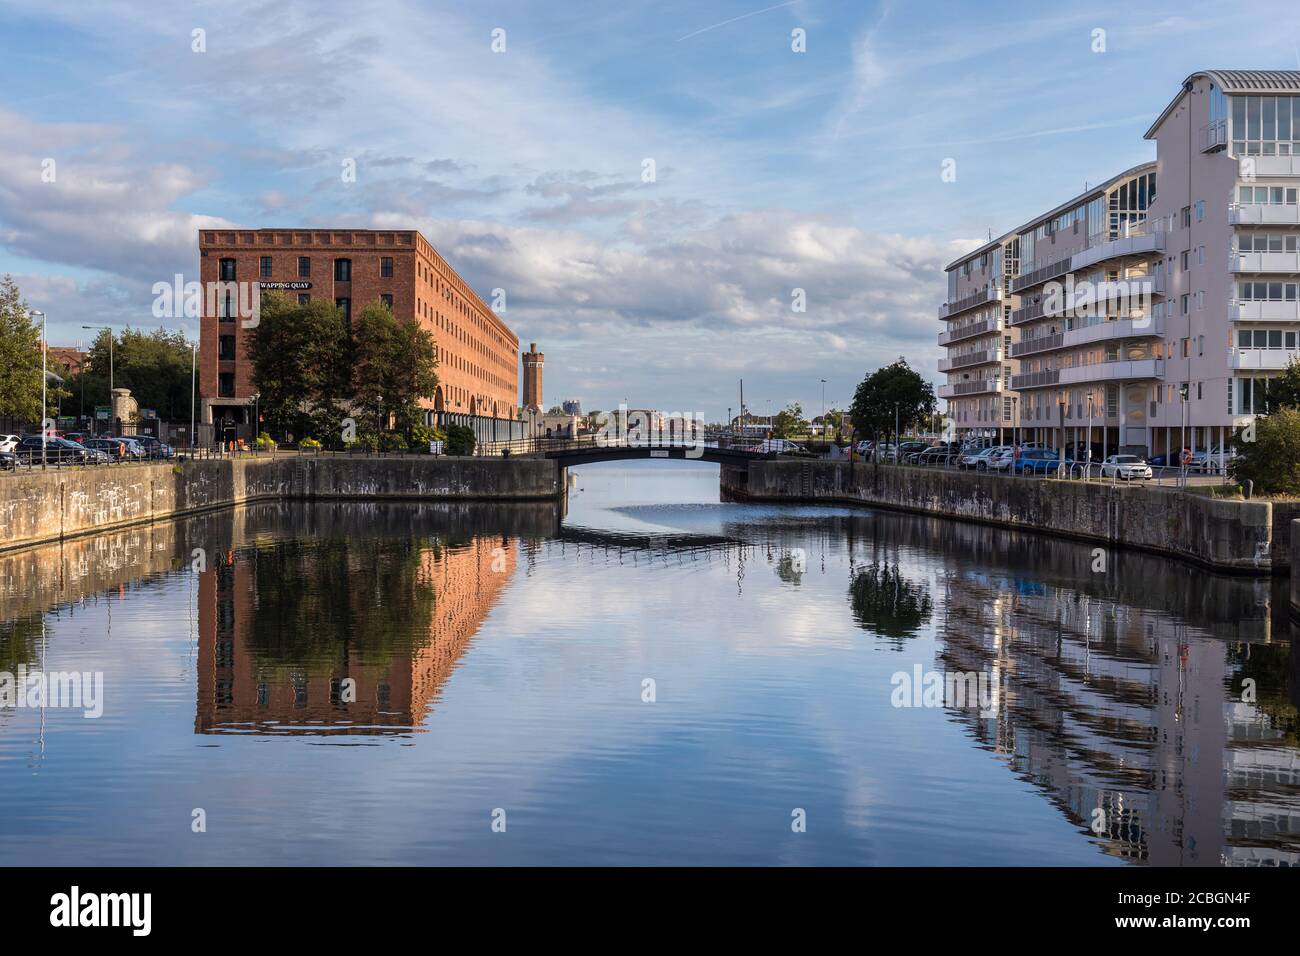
{"x": 387, "y": 299}
{"x": 266, "y": 267}
{"x": 345, "y": 306}
{"x": 226, "y": 348}
{"x": 304, "y": 267}
{"x": 386, "y": 267}
{"x": 227, "y": 272}
{"x": 226, "y": 308}
{"x": 226, "y": 385}
{"x": 342, "y": 270}
{"x": 304, "y": 298}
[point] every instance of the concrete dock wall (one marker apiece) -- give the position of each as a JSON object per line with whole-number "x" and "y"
{"x": 60, "y": 503}
{"x": 1223, "y": 534}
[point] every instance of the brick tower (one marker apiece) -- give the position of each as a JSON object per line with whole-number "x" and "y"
{"x": 533, "y": 362}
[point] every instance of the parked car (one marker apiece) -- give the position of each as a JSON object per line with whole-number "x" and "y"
{"x": 8, "y": 461}
{"x": 983, "y": 458}
{"x": 112, "y": 449}
{"x": 1039, "y": 461}
{"x": 1002, "y": 459}
{"x": 135, "y": 450}
{"x": 972, "y": 452}
{"x": 944, "y": 453}
{"x": 909, "y": 450}
{"x": 781, "y": 446}
{"x": 8, "y": 442}
{"x": 56, "y": 451}
{"x": 1211, "y": 460}
{"x": 154, "y": 447}
{"x": 1125, "y": 468}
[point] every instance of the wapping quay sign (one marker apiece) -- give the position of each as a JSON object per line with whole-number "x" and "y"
{"x": 287, "y": 286}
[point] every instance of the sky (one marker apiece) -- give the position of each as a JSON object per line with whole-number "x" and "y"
{"x": 649, "y": 183}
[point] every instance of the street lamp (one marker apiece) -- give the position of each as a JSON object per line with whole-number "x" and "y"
{"x": 194, "y": 354}
{"x": 44, "y": 346}
{"x": 823, "y": 409}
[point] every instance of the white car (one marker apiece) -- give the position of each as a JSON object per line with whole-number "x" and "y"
{"x": 1125, "y": 468}
{"x": 1201, "y": 460}
{"x": 8, "y": 442}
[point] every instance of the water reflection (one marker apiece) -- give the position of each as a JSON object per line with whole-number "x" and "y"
{"x": 494, "y": 655}
{"x": 887, "y": 603}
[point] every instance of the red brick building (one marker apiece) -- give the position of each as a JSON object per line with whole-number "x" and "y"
{"x": 478, "y": 355}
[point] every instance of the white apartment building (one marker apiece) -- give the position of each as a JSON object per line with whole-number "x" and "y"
{"x": 1149, "y": 312}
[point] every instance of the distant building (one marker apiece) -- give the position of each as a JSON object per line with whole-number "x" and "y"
{"x": 572, "y": 406}
{"x": 70, "y": 357}
{"x": 533, "y": 363}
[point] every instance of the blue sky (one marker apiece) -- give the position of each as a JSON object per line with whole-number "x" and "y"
{"x": 775, "y": 170}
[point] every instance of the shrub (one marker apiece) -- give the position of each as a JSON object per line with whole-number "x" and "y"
{"x": 265, "y": 442}
{"x": 309, "y": 443}
{"x": 365, "y": 441}
{"x": 1272, "y": 460}
{"x": 392, "y": 441}
{"x": 421, "y": 435}
{"x": 460, "y": 440}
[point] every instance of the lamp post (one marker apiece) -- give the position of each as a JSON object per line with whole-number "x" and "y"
{"x": 1182, "y": 445}
{"x": 44, "y": 346}
{"x": 194, "y": 349}
{"x": 1060, "y": 404}
{"x": 823, "y": 409}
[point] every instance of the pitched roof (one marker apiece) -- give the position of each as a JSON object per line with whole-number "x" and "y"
{"x": 1283, "y": 82}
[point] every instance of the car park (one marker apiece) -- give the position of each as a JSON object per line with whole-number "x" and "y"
{"x": 1125, "y": 468}
{"x": 54, "y": 451}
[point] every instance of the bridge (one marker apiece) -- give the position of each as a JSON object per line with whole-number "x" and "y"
{"x": 712, "y": 446}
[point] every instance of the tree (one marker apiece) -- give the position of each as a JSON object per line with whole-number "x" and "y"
{"x": 154, "y": 365}
{"x": 394, "y": 366}
{"x": 1272, "y": 460}
{"x": 894, "y": 389}
{"x": 1284, "y": 391}
{"x": 299, "y": 358}
{"x": 20, "y": 358}
{"x": 789, "y": 422}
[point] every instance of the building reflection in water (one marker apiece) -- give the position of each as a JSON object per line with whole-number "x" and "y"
{"x": 1133, "y": 722}
{"x": 340, "y": 635}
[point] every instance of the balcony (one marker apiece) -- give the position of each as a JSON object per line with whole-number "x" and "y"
{"x": 1089, "y": 334}
{"x": 983, "y": 327}
{"x": 986, "y": 357}
{"x": 1041, "y": 343}
{"x": 1239, "y": 311}
{"x": 979, "y": 386}
{"x": 1026, "y": 313}
{"x": 1039, "y": 276}
{"x": 1040, "y": 379}
{"x": 1140, "y": 241}
{"x": 1125, "y": 371}
{"x": 1261, "y": 214}
{"x": 990, "y": 293}
{"x": 1271, "y": 166}
{"x": 1214, "y": 136}
{"x": 1280, "y": 262}
{"x": 1265, "y": 359}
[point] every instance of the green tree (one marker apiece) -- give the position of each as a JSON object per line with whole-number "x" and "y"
{"x": 394, "y": 366}
{"x": 1272, "y": 460}
{"x": 1284, "y": 391}
{"x": 155, "y": 365}
{"x": 894, "y": 389}
{"x": 20, "y": 359}
{"x": 299, "y": 359}
{"x": 789, "y": 422}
